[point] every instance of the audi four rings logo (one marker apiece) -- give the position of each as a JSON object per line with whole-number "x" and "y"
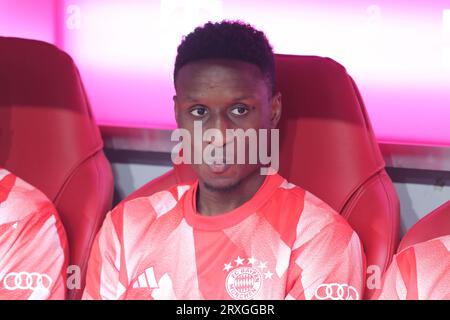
{"x": 336, "y": 291}
{"x": 26, "y": 281}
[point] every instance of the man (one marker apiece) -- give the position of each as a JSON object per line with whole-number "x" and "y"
{"x": 33, "y": 244}
{"x": 233, "y": 233}
{"x": 419, "y": 272}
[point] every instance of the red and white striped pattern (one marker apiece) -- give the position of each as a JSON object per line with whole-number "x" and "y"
{"x": 158, "y": 247}
{"x": 419, "y": 272}
{"x": 32, "y": 241}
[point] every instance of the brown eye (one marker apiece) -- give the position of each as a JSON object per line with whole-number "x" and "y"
{"x": 199, "y": 111}
{"x": 239, "y": 110}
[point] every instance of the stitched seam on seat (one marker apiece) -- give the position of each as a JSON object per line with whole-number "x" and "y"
{"x": 392, "y": 241}
{"x": 358, "y": 195}
{"x": 357, "y": 187}
{"x": 97, "y": 223}
{"x": 74, "y": 168}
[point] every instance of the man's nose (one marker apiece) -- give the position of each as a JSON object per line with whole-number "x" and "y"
{"x": 221, "y": 125}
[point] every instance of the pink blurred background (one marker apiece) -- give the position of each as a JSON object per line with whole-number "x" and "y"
{"x": 397, "y": 52}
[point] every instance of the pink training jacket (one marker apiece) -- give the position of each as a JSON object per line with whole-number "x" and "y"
{"x": 33, "y": 244}
{"x": 284, "y": 243}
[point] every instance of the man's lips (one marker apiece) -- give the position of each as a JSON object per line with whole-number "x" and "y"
{"x": 219, "y": 168}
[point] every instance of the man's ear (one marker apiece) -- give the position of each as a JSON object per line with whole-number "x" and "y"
{"x": 276, "y": 109}
{"x": 175, "y": 108}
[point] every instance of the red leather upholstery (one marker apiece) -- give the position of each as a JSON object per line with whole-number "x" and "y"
{"x": 49, "y": 138}
{"x": 328, "y": 147}
{"x": 434, "y": 225}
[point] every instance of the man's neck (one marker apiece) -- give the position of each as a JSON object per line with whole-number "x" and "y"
{"x": 212, "y": 202}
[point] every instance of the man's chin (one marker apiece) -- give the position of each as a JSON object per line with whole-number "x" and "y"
{"x": 221, "y": 179}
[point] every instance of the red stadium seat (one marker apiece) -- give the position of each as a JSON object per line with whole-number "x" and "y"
{"x": 328, "y": 147}
{"x": 49, "y": 137}
{"x": 434, "y": 225}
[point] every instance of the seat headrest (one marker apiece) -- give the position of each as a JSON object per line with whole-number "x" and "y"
{"x": 324, "y": 129}
{"x": 47, "y": 128}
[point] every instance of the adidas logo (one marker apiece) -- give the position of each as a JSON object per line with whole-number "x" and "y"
{"x": 146, "y": 279}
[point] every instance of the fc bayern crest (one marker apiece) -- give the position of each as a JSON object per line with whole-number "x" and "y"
{"x": 246, "y": 279}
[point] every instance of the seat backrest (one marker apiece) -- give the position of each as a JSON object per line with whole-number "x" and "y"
{"x": 434, "y": 225}
{"x": 49, "y": 137}
{"x": 328, "y": 147}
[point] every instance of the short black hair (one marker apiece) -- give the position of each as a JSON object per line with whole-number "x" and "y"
{"x": 228, "y": 40}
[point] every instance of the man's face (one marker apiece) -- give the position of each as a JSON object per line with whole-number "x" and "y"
{"x": 224, "y": 94}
